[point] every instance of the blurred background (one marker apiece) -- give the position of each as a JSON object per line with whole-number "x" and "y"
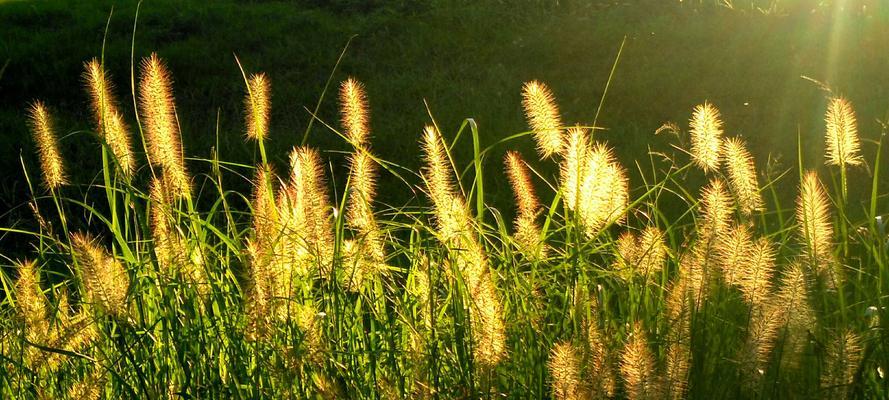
{"x": 465, "y": 59}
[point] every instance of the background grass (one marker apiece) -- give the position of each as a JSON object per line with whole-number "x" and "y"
{"x": 466, "y": 59}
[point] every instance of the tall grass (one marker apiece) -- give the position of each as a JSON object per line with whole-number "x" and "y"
{"x": 160, "y": 282}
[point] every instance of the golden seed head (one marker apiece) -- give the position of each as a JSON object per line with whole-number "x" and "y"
{"x": 437, "y": 172}
{"x": 265, "y": 215}
{"x": 842, "y": 134}
{"x": 600, "y": 363}
{"x": 110, "y": 124}
{"x": 796, "y": 312}
{"x": 47, "y": 146}
{"x": 104, "y": 277}
{"x": 734, "y": 248}
{"x": 637, "y": 367}
{"x": 30, "y": 301}
{"x": 842, "y": 360}
{"x": 359, "y": 212}
{"x": 161, "y": 125}
{"x": 742, "y": 175}
{"x": 543, "y": 117}
{"x": 644, "y": 255}
{"x": 573, "y": 166}
{"x": 678, "y": 337}
{"x": 716, "y": 205}
{"x": 706, "y": 136}
{"x": 813, "y": 216}
{"x": 258, "y": 105}
{"x": 167, "y": 246}
{"x": 527, "y": 234}
{"x": 762, "y": 334}
{"x": 353, "y": 107}
{"x": 522, "y": 188}
{"x": 603, "y": 194}
{"x": 564, "y": 368}
{"x": 487, "y": 316}
{"x": 311, "y": 207}
{"x": 756, "y": 274}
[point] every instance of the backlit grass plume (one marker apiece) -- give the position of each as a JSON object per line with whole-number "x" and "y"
{"x": 258, "y": 106}
{"x": 305, "y": 213}
{"x": 354, "y": 113}
{"x": 51, "y": 165}
{"x": 168, "y": 246}
{"x": 602, "y": 194}
{"x": 543, "y": 116}
{"x": 742, "y": 175}
{"x": 161, "y": 125}
{"x": 527, "y": 232}
{"x": 815, "y": 228}
{"x": 564, "y": 368}
{"x": 600, "y": 367}
{"x": 457, "y": 231}
{"x": 678, "y": 362}
{"x": 757, "y": 271}
{"x": 109, "y": 121}
{"x": 573, "y": 165}
{"x": 30, "y": 301}
{"x": 842, "y": 147}
{"x": 637, "y": 367}
{"x": 797, "y": 314}
{"x": 706, "y": 136}
{"x": 734, "y": 249}
{"x": 642, "y": 256}
{"x": 104, "y": 277}
{"x": 368, "y": 244}
{"x": 841, "y": 363}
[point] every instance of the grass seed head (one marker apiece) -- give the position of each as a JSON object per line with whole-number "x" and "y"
{"x": 104, "y": 277}
{"x": 51, "y": 165}
{"x": 564, "y": 368}
{"x": 258, "y": 106}
{"x": 706, "y": 136}
{"x": 161, "y": 125}
{"x": 637, "y": 367}
{"x": 110, "y": 124}
{"x": 742, "y": 175}
{"x": 815, "y": 228}
{"x": 543, "y": 117}
{"x": 842, "y": 147}
{"x": 353, "y": 107}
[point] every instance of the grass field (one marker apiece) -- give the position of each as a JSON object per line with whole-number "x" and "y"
{"x": 402, "y": 255}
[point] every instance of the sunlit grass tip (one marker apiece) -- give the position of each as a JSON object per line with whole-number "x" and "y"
{"x": 564, "y": 368}
{"x": 258, "y": 106}
{"x": 543, "y": 117}
{"x": 51, "y": 165}
{"x": 742, "y": 175}
{"x": 842, "y": 147}
{"x": 354, "y": 112}
{"x": 110, "y": 123}
{"x": 161, "y": 124}
{"x": 706, "y": 136}
{"x": 104, "y": 277}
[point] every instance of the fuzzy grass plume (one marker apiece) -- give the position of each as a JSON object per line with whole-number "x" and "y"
{"x": 527, "y": 231}
{"x": 842, "y": 146}
{"x": 158, "y": 113}
{"x": 543, "y": 116}
{"x": 109, "y": 121}
{"x": 258, "y": 106}
{"x": 742, "y": 175}
{"x": 706, "y": 136}
{"x": 51, "y": 165}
